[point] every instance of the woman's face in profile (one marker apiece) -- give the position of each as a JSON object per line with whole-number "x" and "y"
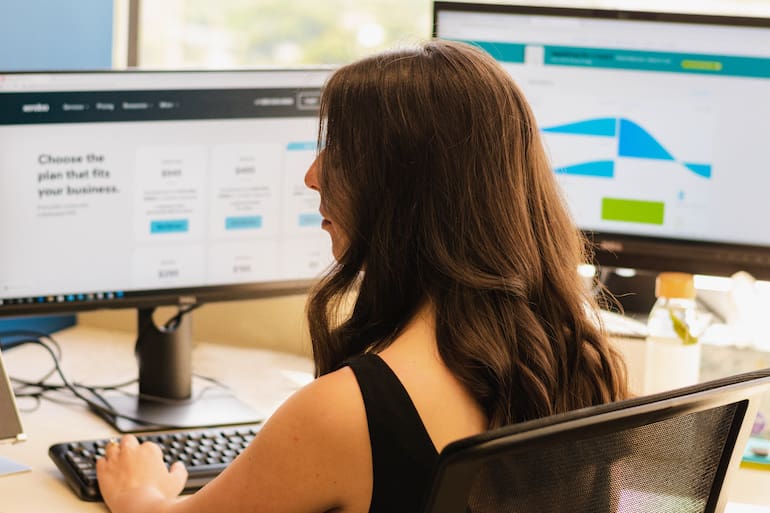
{"x": 339, "y": 241}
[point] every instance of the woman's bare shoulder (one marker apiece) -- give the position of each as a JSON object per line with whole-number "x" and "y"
{"x": 332, "y": 402}
{"x": 312, "y": 454}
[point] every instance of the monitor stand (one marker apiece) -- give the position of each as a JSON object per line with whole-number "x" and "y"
{"x": 166, "y": 399}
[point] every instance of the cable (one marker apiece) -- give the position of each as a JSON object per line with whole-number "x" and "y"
{"x": 46, "y": 387}
{"x": 72, "y": 388}
{"x": 32, "y": 337}
{"x": 172, "y": 323}
{"x": 41, "y": 389}
{"x": 105, "y": 410}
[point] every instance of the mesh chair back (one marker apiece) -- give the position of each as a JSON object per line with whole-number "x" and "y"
{"x": 669, "y": 452}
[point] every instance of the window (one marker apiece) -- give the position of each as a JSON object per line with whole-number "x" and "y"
{"x": 234, "y": 33}
{"x": 231, "y": 33}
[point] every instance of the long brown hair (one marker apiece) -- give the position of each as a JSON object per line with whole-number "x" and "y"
{"x": 434, "y": 169}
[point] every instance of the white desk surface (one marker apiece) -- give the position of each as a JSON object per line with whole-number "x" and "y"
{"x": 262, "y": 379}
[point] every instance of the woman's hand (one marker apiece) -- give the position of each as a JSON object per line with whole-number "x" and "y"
{"x": 133, "y": 477}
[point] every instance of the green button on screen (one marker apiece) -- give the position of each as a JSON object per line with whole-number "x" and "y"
{"x": 632, "y": 211}
{"x": 702, "y": 65}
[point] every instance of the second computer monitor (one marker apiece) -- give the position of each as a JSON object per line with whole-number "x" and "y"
{"x": 655, "y": 123}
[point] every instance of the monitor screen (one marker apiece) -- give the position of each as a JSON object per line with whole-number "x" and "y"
{"x": 145, "y": 188}
{"x": 655, "y": 124}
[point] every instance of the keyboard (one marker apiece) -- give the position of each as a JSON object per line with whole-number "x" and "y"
{"x": 204, "y": 452}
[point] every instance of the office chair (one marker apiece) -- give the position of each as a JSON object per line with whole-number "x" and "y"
{"x": 671, "y": 452}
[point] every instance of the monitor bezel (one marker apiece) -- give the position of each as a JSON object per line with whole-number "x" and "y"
{"x": 602, "y": 13}
{"x": 150, "y": 298}
{"x": 618, "y": 250}
{"x": 176, "y": 296}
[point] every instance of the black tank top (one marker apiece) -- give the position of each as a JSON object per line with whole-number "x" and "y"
{"x": 403, "y": 455}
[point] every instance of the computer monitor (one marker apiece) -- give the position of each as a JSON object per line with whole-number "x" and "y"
{"x": 146, "y": 188}
{"x": 656, "y": 125}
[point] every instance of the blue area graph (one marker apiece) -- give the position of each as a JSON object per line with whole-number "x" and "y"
{"x": 633, "y": 142}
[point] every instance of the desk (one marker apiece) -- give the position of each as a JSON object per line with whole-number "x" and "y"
{"x": 262, "y": 379}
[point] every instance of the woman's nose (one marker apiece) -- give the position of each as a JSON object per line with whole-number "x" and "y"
{"x": 311, "y": 177}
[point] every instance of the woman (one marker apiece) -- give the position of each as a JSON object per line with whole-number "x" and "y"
{"x": 467, "y": 310}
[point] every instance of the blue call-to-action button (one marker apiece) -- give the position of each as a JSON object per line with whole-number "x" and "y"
{"x": 243, "y": 223}
{"x": 170, "y": 226}
{"x": 310, "y": 219}
{"x": 302, "y": 146}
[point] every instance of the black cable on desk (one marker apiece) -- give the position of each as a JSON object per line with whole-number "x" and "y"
{"x": 37, "y": 338}
{"x": 74, "y": 389}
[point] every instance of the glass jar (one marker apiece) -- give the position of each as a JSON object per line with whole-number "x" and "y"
{"x": 674, "y": 325}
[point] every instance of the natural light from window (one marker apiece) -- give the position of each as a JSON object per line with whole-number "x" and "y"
{"x": 244, "y": 33}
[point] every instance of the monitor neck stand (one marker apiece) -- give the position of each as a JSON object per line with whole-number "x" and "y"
{"x": 166, "y": 399}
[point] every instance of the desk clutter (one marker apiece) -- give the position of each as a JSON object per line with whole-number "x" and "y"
{"x": 757, "y": 454}
{"x": 655, "y": 367}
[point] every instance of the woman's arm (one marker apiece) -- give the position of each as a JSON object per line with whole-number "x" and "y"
{"x": 313, "y": 455}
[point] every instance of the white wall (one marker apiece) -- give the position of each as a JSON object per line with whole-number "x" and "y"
{"x": 276, "y": 323}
